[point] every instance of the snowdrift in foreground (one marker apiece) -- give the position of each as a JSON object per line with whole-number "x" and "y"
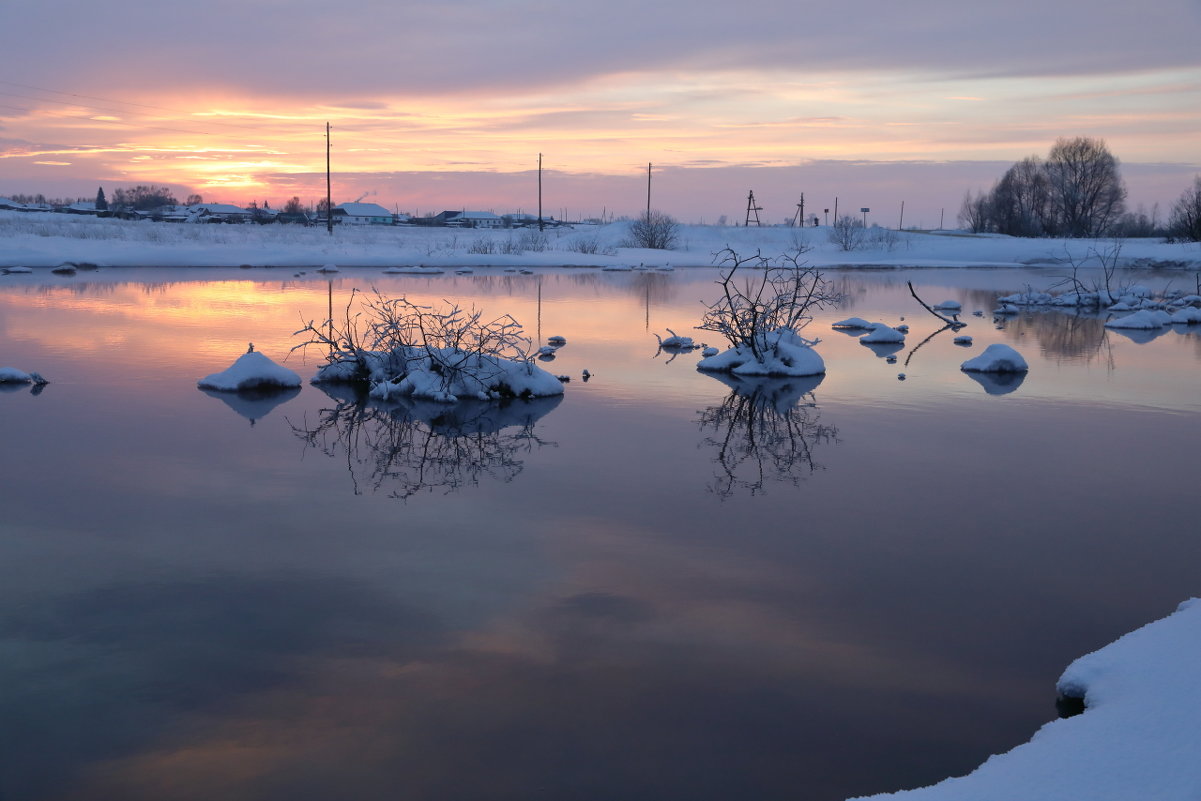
{"x": 784, "y": 353}
{"x": 1137, "y": 738}
{"x": 252, "y": 371}
{"x": 996, "y": 358}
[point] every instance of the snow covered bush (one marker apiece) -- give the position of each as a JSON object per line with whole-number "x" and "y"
{"x": 761, "y": 313}
{"x": 654, "y": 230}
{"x": 443, "y": 354}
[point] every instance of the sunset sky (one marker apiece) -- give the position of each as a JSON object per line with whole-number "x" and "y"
{"x": 447, "y": 105}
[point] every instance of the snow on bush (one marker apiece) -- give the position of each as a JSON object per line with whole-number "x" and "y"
{"x": 997, "y": 358}
{"x": 252, "y": 370}
{"x": 761, "y": 314}
{"x": 781, "y": 353}
{"x": 441, "y": 354}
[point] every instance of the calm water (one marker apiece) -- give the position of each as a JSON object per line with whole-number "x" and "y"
{"x": 653, "y": 588}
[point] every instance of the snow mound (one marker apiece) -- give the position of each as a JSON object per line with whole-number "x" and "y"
{"x": 16, "y": 270}
{"x": 996, "y": 359}
{"x": 882, "y": 334}
{"x": 1137, "y": 738}
{"x": 853, "y": 324}
{"x": 1188, "y": 315}
{"x": 11, "y": 375}
{"x": 557, "y": 341}
{"x": 1146, "y": 319}
{"x": 784, "y": 354}
{"x": 949, "y": 305}
{"x": 252, "y": 370}
{"x": 963, "y": 339}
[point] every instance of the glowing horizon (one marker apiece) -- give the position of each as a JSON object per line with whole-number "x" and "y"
{"x": 411, "y": 123}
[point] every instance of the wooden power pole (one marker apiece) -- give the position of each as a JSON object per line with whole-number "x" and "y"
{"x": 541, "y": 225}
{"x": 329, "y": 208}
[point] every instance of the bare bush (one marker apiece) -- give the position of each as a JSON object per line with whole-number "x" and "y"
{"x": 848, "y": 233}
{"x": 780, "y": 295}
{"x": 654, "y": 230}
{"x": 387, "y": 338}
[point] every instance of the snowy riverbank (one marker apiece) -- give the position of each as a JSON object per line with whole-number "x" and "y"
{"x": 1137, "y": 738}
{"x": 47, "y": 240}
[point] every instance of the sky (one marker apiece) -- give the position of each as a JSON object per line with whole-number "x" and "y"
{"x": 448, "y": 105}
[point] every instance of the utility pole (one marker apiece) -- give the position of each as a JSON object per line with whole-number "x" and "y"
{"x": 799, "y": 218}
{"x": 901, "y": 222}
{"x": 836, "y": 210}
{"x": 541, "y": 225}
{"x": 648, "y": 191}
{"x": 329, "y": 209}
{"x": 940, "y": 214}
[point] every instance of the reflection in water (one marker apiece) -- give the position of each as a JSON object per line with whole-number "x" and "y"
{"x": 996, "y": 383}
{"x": 254, "y": 404}
{"x": 405, "y": 446}
{"x": 1068, "y": 335}
{"x": 765, "y": 429}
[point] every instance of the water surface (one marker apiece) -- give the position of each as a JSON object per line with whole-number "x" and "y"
{"x": 655, "y": 587}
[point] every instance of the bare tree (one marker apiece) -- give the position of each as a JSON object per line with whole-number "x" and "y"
{"x": 1185, "y": 222}
{"x": 974, "y": 214}
{"x": 1020, "y": 201}
{"x": 654, "y": 230}
{"x": 775, "y": 297}
{"x": 1085, "y": 188}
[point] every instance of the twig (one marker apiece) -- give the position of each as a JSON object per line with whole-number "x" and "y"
{"x": 956, "y": 324}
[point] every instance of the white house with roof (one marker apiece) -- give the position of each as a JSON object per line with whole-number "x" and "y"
{"x": 481, "y": 219}
{"x": 362, "y": 214}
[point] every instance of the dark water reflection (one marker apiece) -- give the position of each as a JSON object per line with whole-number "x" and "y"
{"x": 403, "y": 446}
{"x": 662, "y": 586}
{"x": 765, "y": 430}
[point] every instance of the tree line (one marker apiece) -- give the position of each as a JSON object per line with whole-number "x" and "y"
{"x": 1076, "y": 191}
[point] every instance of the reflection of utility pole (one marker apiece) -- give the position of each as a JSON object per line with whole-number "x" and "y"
{"x": 329, "y": 210}
{"x": 751, "y": 208}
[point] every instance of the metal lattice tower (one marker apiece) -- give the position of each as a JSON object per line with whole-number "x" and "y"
{"x": 752, "y": 209}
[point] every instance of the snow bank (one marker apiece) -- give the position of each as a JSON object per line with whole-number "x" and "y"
{"x": 45, "y": 240}
{"x": 1146, "y": 319}
{"x": 785, "y": 354}
{"x": 1137, "y": 738}
{"x": 252, "y": 370}
{"x": 996, "y": 358}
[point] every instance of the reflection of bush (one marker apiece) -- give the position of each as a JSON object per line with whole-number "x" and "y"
{"x": 403, "y": 447}
{"x": 764, "y": 430}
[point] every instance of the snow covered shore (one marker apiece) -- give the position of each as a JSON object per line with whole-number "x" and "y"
{"x": 1137, "y": 738}
{"x": 48, "y": 240}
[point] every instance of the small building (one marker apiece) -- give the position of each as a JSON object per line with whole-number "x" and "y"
{"x": 362, "y": 214}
